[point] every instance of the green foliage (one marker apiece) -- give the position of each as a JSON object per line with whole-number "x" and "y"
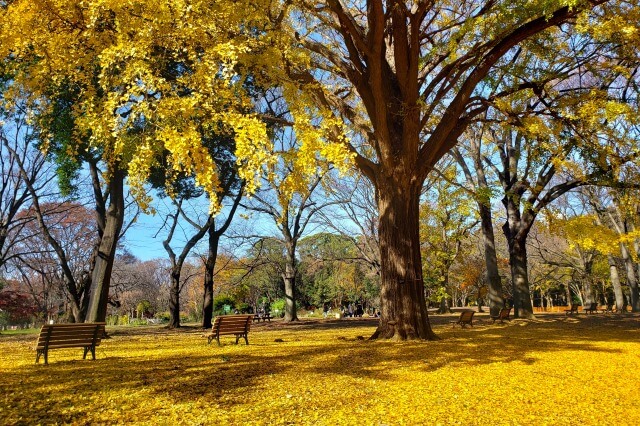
{"x": 221, "y": 300}
{"x": 243, "y": 307}
{"x": 438, "y": 295}
{"x": 329, "y": 272}
{"x": 144, "y": 308}
{"x": 278, "y": 307}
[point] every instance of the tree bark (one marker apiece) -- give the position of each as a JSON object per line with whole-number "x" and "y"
{"x": 177, "y": 262}
{"x": 289, "y": 277}
{"x": 403, "y": 313}
{"x": 496, "y": 301}
{"x": 522, "y": 305}
{"x": 587, "y": 285}
{"x": 516, "y": 230}
{"x": 632, "y": 278}
{"x": 212, "y": 257}
{"x": 209, "y": 267}
{"x": 174, "y": 297}
{"x": 615, "y": 282}
{"x": 101, "y": 278}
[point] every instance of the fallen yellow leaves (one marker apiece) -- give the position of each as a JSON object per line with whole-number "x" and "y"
{"x": 557, "y": 371}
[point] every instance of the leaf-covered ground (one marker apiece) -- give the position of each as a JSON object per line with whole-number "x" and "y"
{"x": 556, "y": 370}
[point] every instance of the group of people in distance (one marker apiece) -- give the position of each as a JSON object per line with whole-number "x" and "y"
{"x": 349, "y": 310}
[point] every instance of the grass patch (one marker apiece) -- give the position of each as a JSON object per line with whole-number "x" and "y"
{"x": 19, "y": 332}
{"x": 555, "y": 370}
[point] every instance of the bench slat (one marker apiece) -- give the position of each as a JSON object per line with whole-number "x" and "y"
{"x": 232, "y": 331}
{"x": 69, "y": 344}
{"x": 62, "y": 333}
{"x": 75, "y": 335}
{"x": 68, "y": 339}
{"x": 237, "y": 325}
{"x": 74, "y": 325}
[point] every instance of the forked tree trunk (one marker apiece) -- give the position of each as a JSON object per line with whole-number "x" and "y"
{"x": 403, "y": 310}
{"x": 212, "y": 257}
{"x": 522, "y": 306}
{"x": 101, "y": 277}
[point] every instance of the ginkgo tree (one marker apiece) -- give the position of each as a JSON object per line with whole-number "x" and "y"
{"x": 136, "y": 80}
{"x": 389, "y": 85}
{"x": 404, "y": 78}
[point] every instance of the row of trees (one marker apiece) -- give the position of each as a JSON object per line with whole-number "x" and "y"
{"x": 173, "y": 92}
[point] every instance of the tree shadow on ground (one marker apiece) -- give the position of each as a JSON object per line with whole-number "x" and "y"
{"x": 210, "y": 372}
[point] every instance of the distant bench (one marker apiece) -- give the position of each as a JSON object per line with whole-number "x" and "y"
{"x": 237, "y": 325}
{"x": 591, "y": 309}
{"x": 503, "y": 315}
{"x": 80, "y": 335}
{"x": 573, "y": 310}
{"x": 466, "y": 317}
{"x": 262, "y": 317}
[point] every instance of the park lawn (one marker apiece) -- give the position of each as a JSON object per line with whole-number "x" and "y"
{"x": 556, "y": 370}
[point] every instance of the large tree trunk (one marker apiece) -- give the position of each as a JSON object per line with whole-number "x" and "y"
{"x": 587, "y": 285}
{"x": 289, "y": 277}
{"x": 588, "y": 292}
{"x": 403, "y": 306}
{"x": 174, "y": 297}
{"x": 516, "y": 230}
{"x": 75, "y": 315}
{"x": 209, "y": 267}
{"x": 615, "y": 282}
{"x": 632, "y": 279}
{"x": 520, "y": 278}
{"x": 496, "y": 301}
{"x": 101, "y": 277}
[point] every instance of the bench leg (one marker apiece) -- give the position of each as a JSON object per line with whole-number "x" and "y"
{"x": 218, "y": 340}
{"x": 246, "y": 340}
{"x": 237, "y": 338}
{"x": 38, "y": 353}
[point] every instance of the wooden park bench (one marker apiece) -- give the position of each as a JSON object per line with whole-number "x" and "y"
{"x": 237, "y": 325}
{"x": 591, "y": 309}
{"x": 80, "y": 335}
{"x": 573, "y": 310}
{"x": 466, "y": 317}
{"x": 503, "y": 315}
{"x": 262, "y": 317}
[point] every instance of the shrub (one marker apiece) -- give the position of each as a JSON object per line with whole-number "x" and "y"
{"x": 144, "y": 309}
{"x": 243, "y": 307}
{"x": 17, "y": 308}
{"x": 221, "y": 300}
{"x": 278, "y": 305}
